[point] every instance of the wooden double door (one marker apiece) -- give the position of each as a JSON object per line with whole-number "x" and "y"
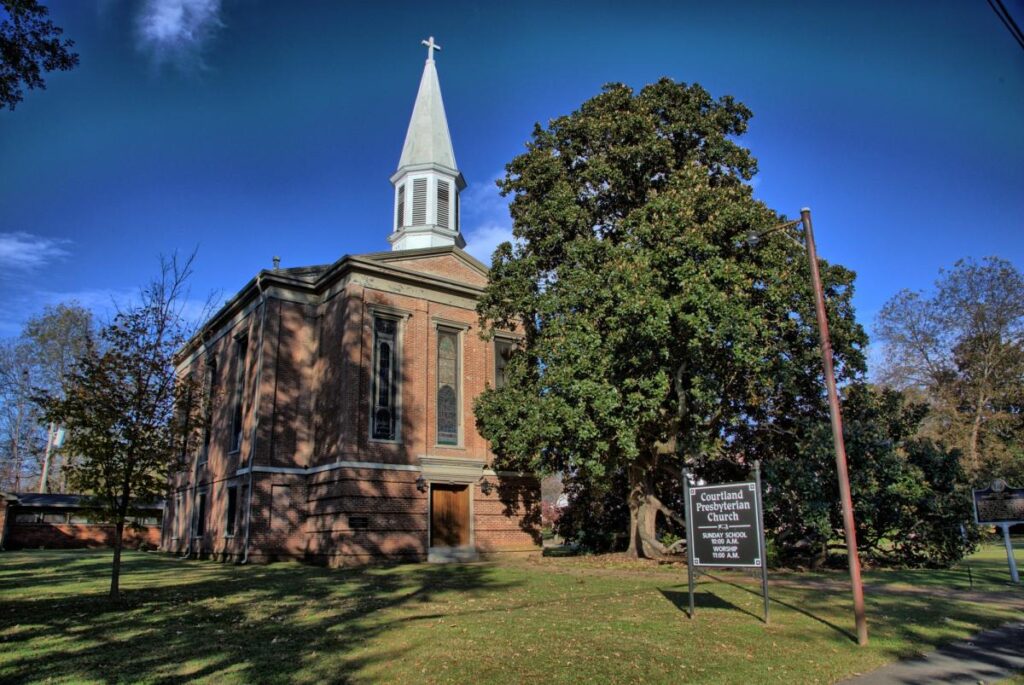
{"x": 449, "y": 515}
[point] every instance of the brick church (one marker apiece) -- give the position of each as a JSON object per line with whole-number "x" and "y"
{"x": 338, "y": 399}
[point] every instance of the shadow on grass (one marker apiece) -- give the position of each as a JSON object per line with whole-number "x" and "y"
{"x": 789, "y": 605}
{"x": 702, "y": 600}
{"x": 203, "y": 619}
{"x": 21, "y": 568}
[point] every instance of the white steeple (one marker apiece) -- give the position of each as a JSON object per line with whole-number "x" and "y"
{"x": 427, "y": 182}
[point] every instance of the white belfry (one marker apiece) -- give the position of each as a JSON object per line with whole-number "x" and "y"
{"x": 427, "y": 182}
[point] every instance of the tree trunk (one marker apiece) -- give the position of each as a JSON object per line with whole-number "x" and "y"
{"x": 972, "y": 446}
{"x": 644, "y": 507}
{"x": 634, "y": 540}
{"x": 115, "y": 575}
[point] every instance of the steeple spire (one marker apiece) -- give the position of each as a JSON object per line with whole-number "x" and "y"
{"x": 427, "y": 182}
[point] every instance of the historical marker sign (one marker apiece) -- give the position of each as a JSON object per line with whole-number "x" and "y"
{"x": 999, "y": 504}
{"x": 726, "y": 525}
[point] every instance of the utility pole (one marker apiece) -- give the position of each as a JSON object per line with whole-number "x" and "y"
{"x": 837, "y": 432}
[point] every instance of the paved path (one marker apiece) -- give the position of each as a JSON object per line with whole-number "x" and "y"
{"x": 985, "y": 658}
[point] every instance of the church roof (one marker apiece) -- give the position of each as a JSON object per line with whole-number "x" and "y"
{"x": 316, "y": 280}
{"x": 427, "y": 141}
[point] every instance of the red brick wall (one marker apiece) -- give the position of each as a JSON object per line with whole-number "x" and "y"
{"x": 446, "y": 266}
{"x": 75, "y": 535}
{"x": 394, "y": 511}
{"x": 314, "y": 397}
{"x": 508, "y": 519}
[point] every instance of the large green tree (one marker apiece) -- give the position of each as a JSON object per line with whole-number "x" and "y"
{"x": 125, "y": 411}
{"x": 911, "y": 501}
{"x": 961, "y": 347}
{"x": 665, "y": 324}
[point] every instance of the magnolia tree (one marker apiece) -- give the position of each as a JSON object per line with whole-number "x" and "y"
{"x": 125, "y": 413}
{"x": 665, "y": 325}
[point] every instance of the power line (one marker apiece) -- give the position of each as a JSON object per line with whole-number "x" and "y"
{"x": 1005, "y": 17}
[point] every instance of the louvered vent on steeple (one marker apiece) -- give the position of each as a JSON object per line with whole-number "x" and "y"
{"x": 400, "y": 213}
{"x": 419, "y": 201}
{"x": 442, "y": 204}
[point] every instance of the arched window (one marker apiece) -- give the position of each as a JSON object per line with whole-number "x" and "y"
{"x": 447, "y": 387}
{"x": 384, "y": 416}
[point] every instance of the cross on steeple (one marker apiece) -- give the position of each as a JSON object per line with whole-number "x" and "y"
{"x": 431, "y": 46}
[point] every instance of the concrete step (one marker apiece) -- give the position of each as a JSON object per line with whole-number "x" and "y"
{"x": 452, "y": 555}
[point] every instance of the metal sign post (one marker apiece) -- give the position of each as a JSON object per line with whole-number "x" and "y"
{"x": 760, "y": 530}
{"x": 1002, "y": 506}
{"x": 1009, "y": 554}
{"x": 725, "y": 529}
{"x": 689, "y": 536}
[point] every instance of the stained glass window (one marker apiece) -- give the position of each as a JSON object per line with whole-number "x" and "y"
{"x": 447, "y": 387}
{"x": 384, "y": 415}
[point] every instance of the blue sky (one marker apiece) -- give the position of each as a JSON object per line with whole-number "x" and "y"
{"x": 252, "y": 128}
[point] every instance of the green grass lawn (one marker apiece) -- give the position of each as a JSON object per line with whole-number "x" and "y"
{"x": 588, "y": 619}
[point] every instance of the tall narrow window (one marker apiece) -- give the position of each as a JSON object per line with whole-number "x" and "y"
{"x": 400, "y": 218}
{"x": 241, "y": 347}
{"x": 384, "y": 416}
{"x": 502, "y": 353}
{"x": 456, "y": 211}
{"x": 232, "y": 511}
{"x": 199, "y": 523}
{"x": 211, "y": 386}
{"x": 179, "y": 516}
{"x": 442, "y": 204}
{"x": 184, "y": 411}
{"x": 419, "y": 201}
{"x": 447, "y": 387}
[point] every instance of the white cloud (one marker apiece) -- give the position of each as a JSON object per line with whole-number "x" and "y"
{"x": 481, "y": 241}
{"x": 177, "y": 30}
{"x": 24, "y": 251}
{"x": 485, "y": 219}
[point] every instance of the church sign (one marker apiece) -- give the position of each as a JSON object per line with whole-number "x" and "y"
{"x": 725, "y": 528}
{"x": 725, "y": 525}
